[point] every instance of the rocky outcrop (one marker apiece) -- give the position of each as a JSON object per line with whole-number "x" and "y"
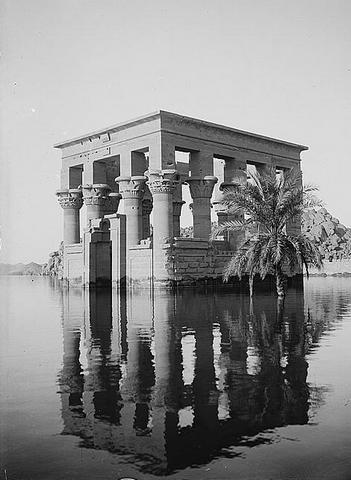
{"x": 326, "y": 231}
{"x": 54, "y": 267}
{"x": 331, "y": 236}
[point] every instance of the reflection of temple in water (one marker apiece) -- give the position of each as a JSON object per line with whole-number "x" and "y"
{"x": 172, "y": 381}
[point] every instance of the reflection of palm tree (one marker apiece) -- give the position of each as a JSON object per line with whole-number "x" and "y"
{"x": 285, "y": 393}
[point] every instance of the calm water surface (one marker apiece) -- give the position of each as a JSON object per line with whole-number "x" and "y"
{"x": 186, "y": 386}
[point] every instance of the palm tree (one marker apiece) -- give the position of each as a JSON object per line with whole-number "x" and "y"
{"x": 269, "y": 203}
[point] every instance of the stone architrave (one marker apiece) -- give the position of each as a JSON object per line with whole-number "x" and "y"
{"x": 95, "y": 197}
{"x": 132, "y": 190}
{"x": 201, "y": 190}
{"x": 71, "y": 201}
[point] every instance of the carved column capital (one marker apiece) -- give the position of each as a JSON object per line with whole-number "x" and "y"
{"x": 162, "y": 181}
{"x": 229, "y": 186}
{"x": 70, "y": 198}
{"x": 201, "y": 187}
{"x": 177, "y": 207}
{"x": 112, "y": 202}
{"x": 161, "y": 186}
{"x": 224, "y": 187}
{"x": 132, "y": 187}
{"x": 96, "y": 194}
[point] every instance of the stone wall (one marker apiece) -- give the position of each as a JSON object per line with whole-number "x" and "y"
{"x": 139, "y": 268}
{"x": 97, "y": 248}
{"x": 195, "y": 261}
{"x": 190, "y": 261}
{"x": 73, "y": 263}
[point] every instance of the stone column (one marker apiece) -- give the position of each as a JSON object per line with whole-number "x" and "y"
{"x": 146, "y": 210}
{"x": 162, "y": 185}
{"x": 221, "y": 212}
{"x": 235, "y": 171}
{"x": 167, "y": 353}
{"x": 204, "y": 385}
{"x": 201, "y": 163}
{"x": 294, "y": 227}
{"x": 262, "y": 168}
{"x": 71, "y": 202}
{"x": 177, "y": 210}
{"x": 95, "y": 197}
{"x": 112, "y": 203}
{"x": 132, "y": 190}
{"x": 234, "y": 176}
{"x": 201, "y": 192}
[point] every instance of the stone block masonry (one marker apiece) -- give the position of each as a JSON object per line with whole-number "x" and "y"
{"x": 195, "y": 260}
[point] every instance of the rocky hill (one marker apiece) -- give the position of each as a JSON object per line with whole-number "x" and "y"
{"x": 331, "y": 236}
{"x": 21, "y": 269}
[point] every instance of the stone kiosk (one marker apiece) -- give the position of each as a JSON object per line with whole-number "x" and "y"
{"x": 130, "y": 178}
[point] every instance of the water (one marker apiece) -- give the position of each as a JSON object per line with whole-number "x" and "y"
{"x": 186, "y": 386}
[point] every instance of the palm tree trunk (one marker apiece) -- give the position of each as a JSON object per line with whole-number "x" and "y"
{"x": 280, "y": 281}
{"x": 251, "y": 280}
{"x": 280, "y": 311}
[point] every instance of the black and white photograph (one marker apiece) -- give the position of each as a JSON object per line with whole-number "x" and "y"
{"x": 175, "y": 240}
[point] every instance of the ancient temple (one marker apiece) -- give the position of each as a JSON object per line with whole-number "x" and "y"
{"x": 130, "y": 179}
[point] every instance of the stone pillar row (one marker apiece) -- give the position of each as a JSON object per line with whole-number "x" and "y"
{"x": 98, "y": 199}
{"x": 166, "y": 204}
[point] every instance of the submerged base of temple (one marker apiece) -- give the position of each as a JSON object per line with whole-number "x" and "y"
{"x": 103, "y": 259}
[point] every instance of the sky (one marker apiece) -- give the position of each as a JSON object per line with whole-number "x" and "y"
{"x": 274, "y": 67}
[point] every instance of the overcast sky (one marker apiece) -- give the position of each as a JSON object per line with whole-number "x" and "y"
{"x": 278, "y": 68}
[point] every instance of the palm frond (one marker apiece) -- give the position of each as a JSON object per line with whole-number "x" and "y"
{"x": 230, "y": 225}
{"x": 270, "y": 202}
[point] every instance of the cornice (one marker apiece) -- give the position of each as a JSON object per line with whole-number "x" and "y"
{"x": 164, "y": 115}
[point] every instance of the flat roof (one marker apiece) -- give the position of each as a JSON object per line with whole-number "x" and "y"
{"x": 159, "y": 114}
